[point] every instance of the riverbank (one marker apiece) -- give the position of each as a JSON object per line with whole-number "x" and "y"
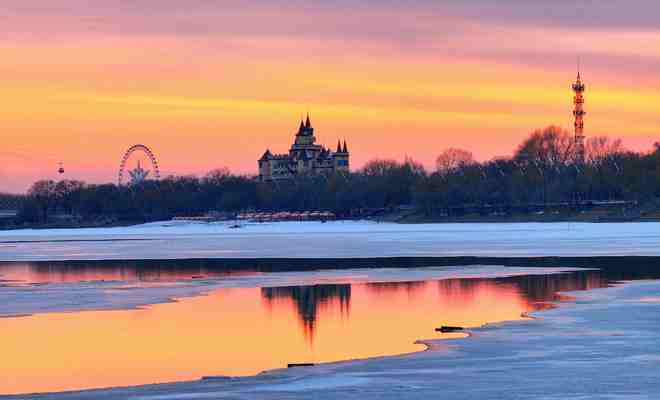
{"x": 407, "y": 217}
{"x": 537, "y": 213}
{"x": 542, "y": 215}
{"x": 11, "y": 226}
{"x": 572, "y": 351}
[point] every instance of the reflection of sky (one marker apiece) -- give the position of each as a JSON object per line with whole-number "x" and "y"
{"x": 203, "y": 78}
{"x": 238, "y": 331}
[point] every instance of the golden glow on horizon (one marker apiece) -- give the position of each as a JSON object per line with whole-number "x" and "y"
{"x": 84, "y": 98}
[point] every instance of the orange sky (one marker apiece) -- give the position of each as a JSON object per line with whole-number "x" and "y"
{"x": 215, "y": 84}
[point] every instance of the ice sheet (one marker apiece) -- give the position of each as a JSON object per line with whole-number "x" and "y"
{"x": 341, "y": 239}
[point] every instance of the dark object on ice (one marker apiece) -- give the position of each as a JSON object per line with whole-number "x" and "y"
{"x": 235, "y": 226}
{"x": 293, "y": 365}
{"x": 447, "y": 329}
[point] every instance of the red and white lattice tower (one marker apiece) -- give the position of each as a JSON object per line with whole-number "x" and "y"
{"x": 578, "y": 112}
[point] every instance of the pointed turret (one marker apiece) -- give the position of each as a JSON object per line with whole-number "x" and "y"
{"x": 302, "y": 126}
{"x": 345, "y": 150}
{"x": 338, "y": 146}
{"x": 308, "y": 124}
{"x": 267, "y": 154}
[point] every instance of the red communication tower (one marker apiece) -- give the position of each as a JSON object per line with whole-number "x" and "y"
{"x": 578, "y": 112}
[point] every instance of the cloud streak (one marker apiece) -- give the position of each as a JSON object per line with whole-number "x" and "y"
{"x": 383, "y": 18}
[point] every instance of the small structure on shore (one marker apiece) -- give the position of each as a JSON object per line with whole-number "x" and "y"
{"x": 287, "y": 216}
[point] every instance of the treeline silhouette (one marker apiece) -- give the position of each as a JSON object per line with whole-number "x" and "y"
{"x": 544, "y": 170}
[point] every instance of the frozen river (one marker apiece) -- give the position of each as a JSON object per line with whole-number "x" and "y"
{"x": 110, "y": 324}
{"x": 170, "y": 240}
{"x": 172, "y": 302}
{"x": 598, "y": 344}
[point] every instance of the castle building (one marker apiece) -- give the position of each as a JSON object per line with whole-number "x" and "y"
{"x": 305, "y": 158}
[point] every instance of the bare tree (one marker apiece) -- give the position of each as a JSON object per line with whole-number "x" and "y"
{"x": 452, "y": 159}
{"x": 67, "y": 194}
{"x": 599, "y": 148}
{"x": 217, "y": 175}
{"x": 550, "y": 147}
{"x": 44, "y": 195}
{"x": 379, "y": 167}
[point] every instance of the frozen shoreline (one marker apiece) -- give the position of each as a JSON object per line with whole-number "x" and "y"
{"x": 355, "y": 239}
{"x": 573, "y": 351}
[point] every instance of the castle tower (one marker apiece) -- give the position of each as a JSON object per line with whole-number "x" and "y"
{"x": 305, "y": 135}
{"x": 305, "y": 157}
{"x": 341, "y": 157}
{"x": 578, "y": 113}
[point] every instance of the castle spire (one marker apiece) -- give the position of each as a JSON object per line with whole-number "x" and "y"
{"x": 308, "y": 124}
{"x": 345, "y": 147}
{"x": 338, "y": 146}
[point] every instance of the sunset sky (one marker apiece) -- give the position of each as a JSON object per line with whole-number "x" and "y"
{"x": 208, "y": 83}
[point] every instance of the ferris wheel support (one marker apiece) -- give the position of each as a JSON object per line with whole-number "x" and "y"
{"x": 137, "y": 148}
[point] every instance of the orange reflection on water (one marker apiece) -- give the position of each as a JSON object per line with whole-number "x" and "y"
{"x": 243, "y": 331}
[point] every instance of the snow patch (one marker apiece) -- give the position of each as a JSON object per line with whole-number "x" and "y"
{"x": 338, "y": 239}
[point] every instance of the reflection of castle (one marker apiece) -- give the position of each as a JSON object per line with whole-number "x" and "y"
{"x": 305, "y": 157}
{"x": 308, "y": 299}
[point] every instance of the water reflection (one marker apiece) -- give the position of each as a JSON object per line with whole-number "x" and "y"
{"x": 311, "y": 303}
{"x": 545, "y": 287}
{"x": 142, "y": 271}
{"x": 310, "y": 300}
{"x": 241, "y": 331}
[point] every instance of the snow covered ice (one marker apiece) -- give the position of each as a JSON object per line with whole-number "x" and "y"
{"x": 180, "y": 240}
{"x": 602, "y": 346}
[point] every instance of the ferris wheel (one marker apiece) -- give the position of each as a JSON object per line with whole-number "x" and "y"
{"x": 132, "y": 150}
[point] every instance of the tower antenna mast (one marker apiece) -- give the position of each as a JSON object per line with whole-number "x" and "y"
{"x": 578, "y": 113}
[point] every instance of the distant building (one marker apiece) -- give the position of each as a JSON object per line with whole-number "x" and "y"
{"x": 305, "y": 157}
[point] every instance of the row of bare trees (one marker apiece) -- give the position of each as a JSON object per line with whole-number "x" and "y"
{"x": 551, "y": 147}
{"x": 545, "y": 168}
{"x": 542, "y": 170}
